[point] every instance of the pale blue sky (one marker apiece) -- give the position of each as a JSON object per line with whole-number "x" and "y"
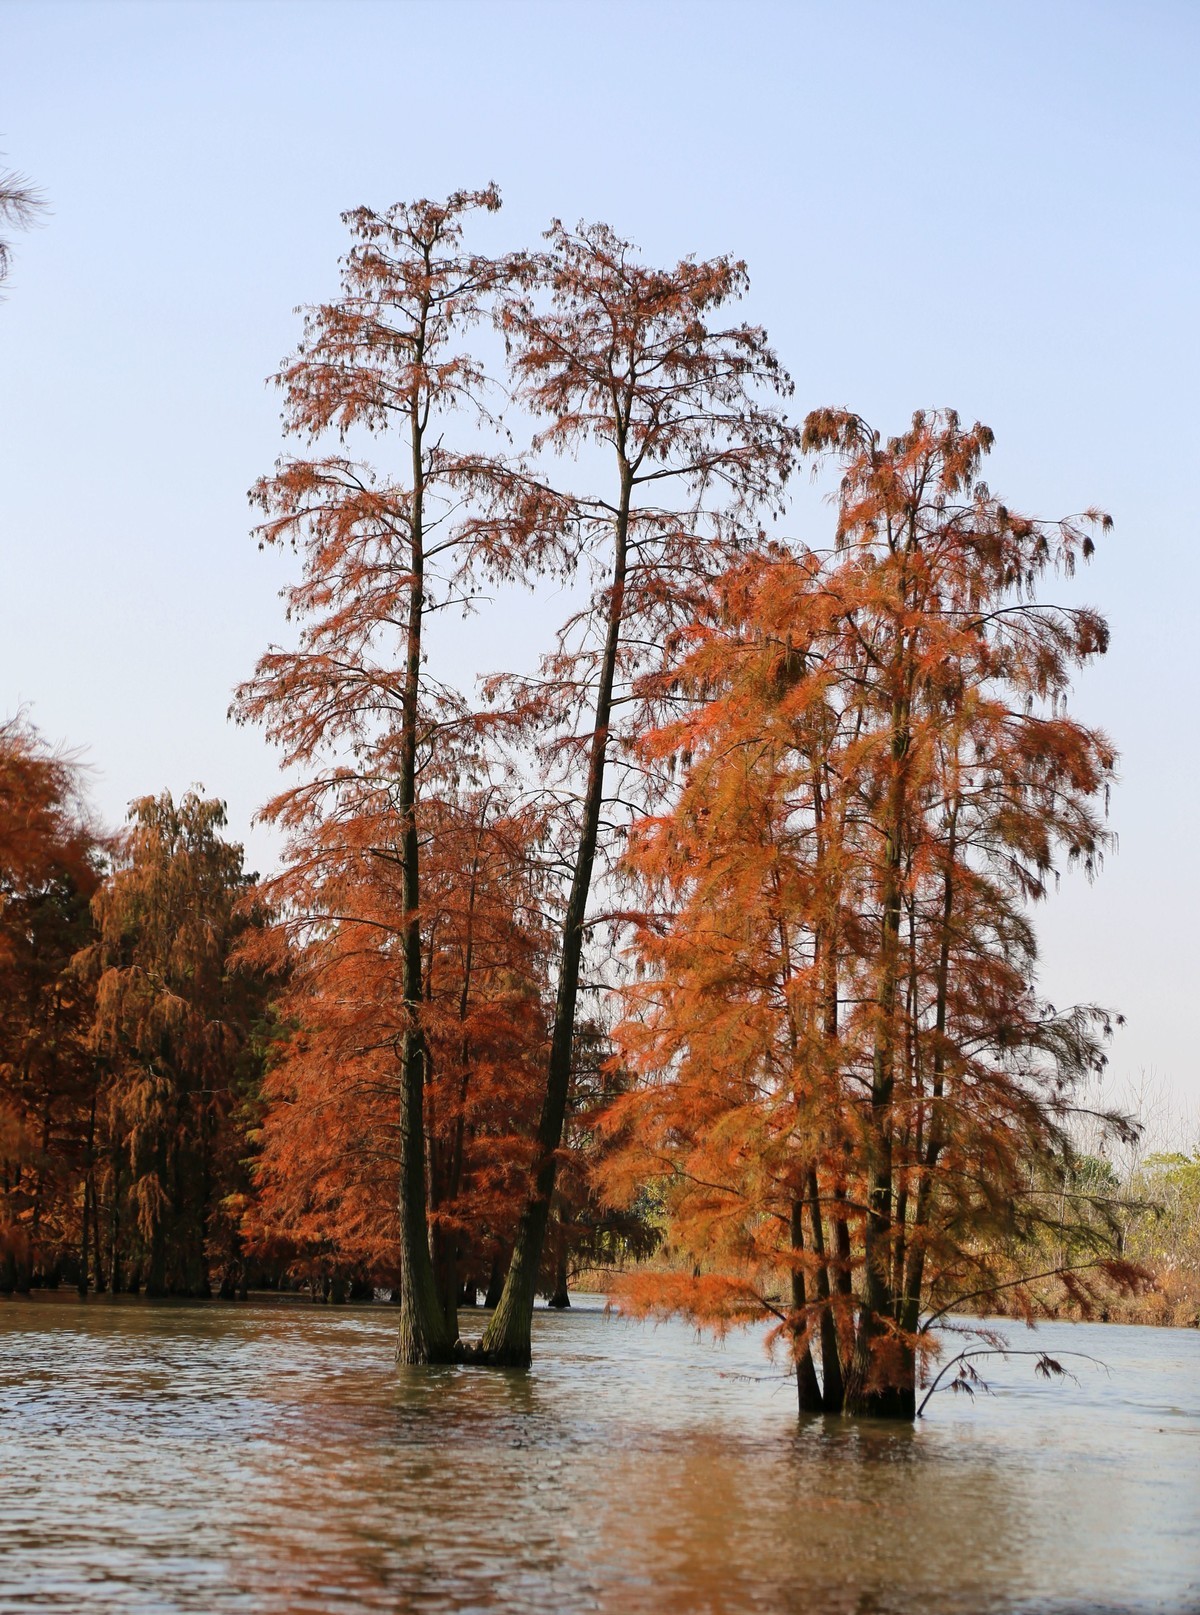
{"x": 987, "y": 206}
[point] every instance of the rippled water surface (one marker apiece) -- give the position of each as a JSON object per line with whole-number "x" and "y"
{"x": 274, "y": 1459}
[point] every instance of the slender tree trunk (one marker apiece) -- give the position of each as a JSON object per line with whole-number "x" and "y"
{"x": 508, "y": 1337}
{"x": 808, "y": 1386}
{"x": 833, "y": 1385}
{"x": 843, "y": 1263}
{"x": 560, "y": 1299}
{"x": 114, "y": 1247}
{"x": 833, "y": 1390}
{"x": 91, "y": 1219}
{"x": 156, "y": 1285}
{"x": 181, "y": 1246}
{"x": 35, "y": 1223}
{"x": 445, "y": 1273}
{"x": 84, "y": 1256}
{"x": 423, "y": 1335}
{"x": 447, "y": 1183}
{"x": 495, "y": 1283}
{"x": 203, "y": 1275}
{"x": 97, "y": 1253}
{"x": 915, "y": 1276}
{"x": 862, "y": 1395}
{"x": 911, "y": 1134}
{"x": 868, "y": 1387}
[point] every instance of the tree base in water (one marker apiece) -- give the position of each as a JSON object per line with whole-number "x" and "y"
{"x": 428, "y": 1355}
{"x": 474, "y": 1354}
{"x": 889, "y": 1402}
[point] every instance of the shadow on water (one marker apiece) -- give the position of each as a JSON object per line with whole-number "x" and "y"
{"x": 206, "y": 1458}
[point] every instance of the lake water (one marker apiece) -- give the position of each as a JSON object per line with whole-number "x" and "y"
{"x": 256, "y": 1458}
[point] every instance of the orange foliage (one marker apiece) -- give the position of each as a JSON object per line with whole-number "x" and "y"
{"x": 330, "y": 1151}
{"x": 848, "y": 1072}
{"x": 354, "y": 706}
{"x": 610, "y": 352}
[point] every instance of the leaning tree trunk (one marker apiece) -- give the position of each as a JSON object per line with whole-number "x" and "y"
{"x": 508, "y": 1337}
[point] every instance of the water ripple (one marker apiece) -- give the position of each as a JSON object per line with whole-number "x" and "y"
{"x": 274, "y": 1459}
